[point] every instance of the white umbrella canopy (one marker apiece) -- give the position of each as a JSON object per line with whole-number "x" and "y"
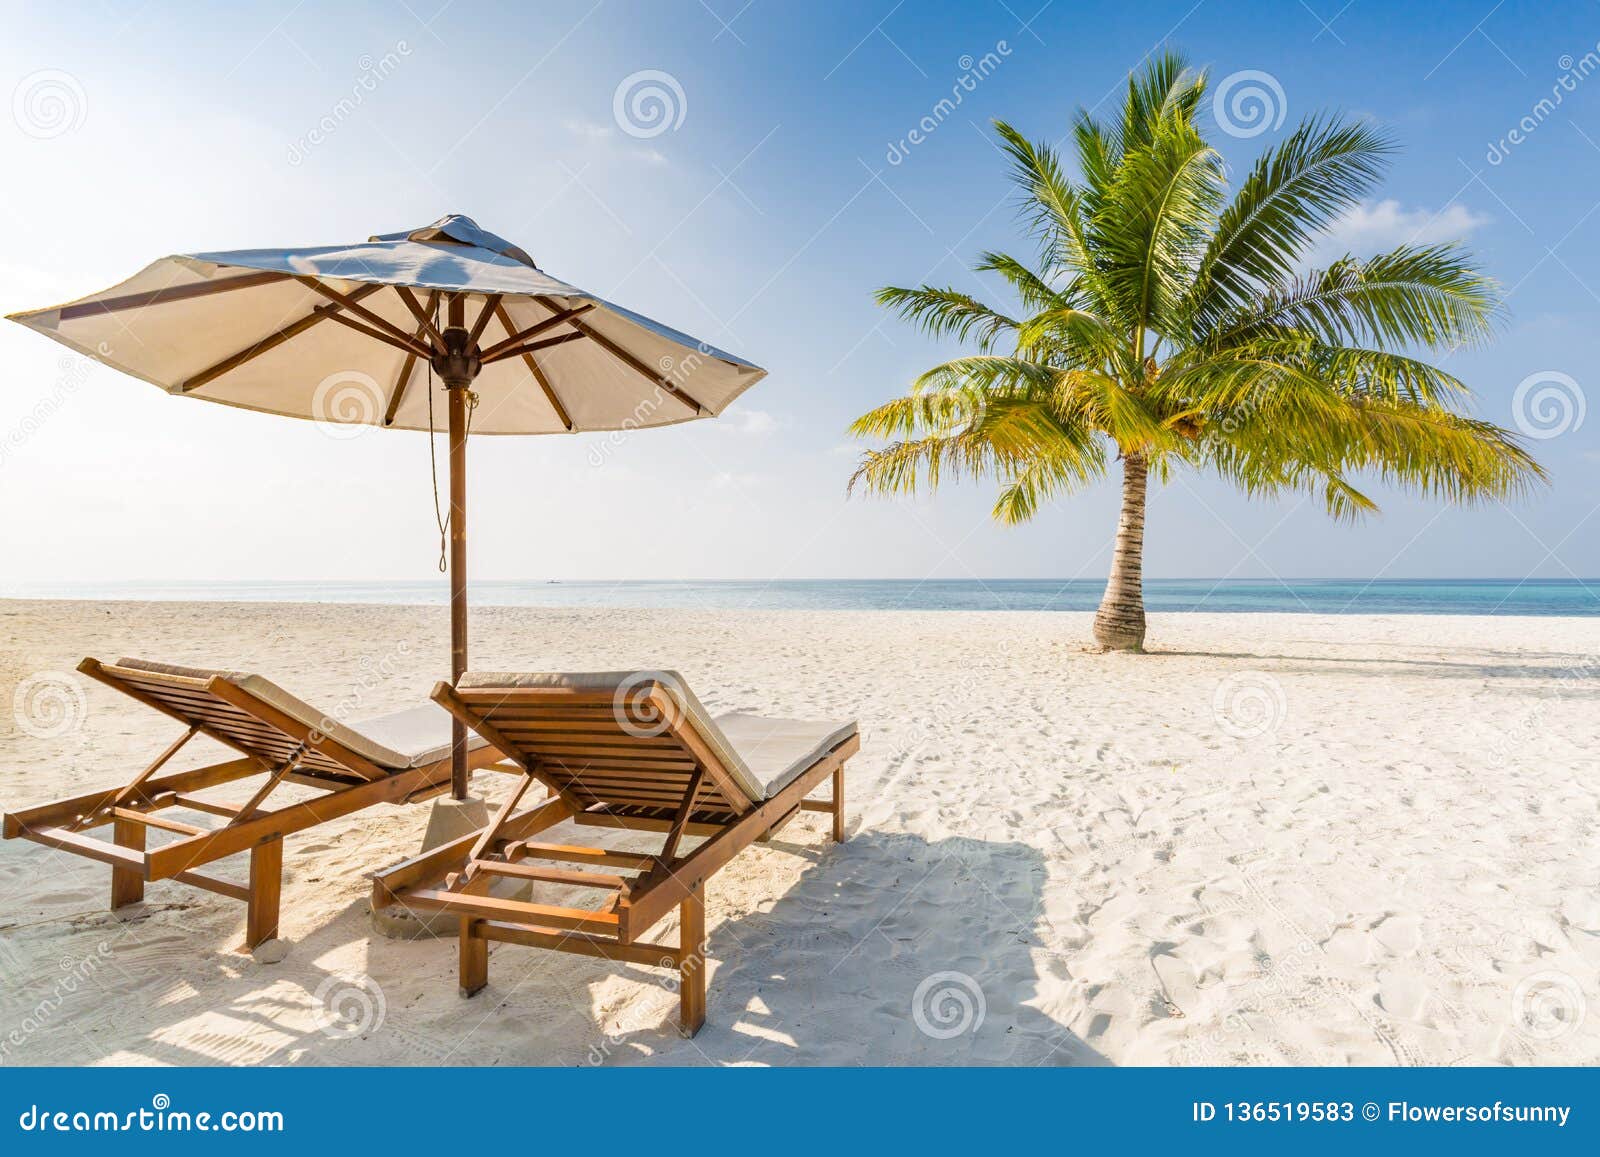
{"x": 277, "y": 330}
{"x": 359, "y": 333}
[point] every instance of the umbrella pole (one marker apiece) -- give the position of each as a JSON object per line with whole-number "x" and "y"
{"x": 458, "y": 364}
{"x": 458, "y": 579}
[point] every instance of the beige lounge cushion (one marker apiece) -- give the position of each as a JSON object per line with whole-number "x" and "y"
{"x": 761, "y": 754}
{"x": 777, "y": 750}
{"x": 403, "y": 739}
{"x": 420, "y": 733}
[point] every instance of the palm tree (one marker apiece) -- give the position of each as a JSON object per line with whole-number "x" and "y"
{"x": 1168, "y": 327}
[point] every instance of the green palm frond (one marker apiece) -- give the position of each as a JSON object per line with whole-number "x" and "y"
{"x": 1167, "y": 323}
{"x": 1152, "y": 228}
{"x": 1062, "y": 469}
{"x": 947, "y": 313}
{"x": 1427, "y": 295}
{"x": 1000, "y": 442}
{"x": 1294, "y": 191}
{"x": 1033, "y": 290}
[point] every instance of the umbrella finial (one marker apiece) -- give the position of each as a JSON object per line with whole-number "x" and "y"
{"x": 458, "y": 364}
{"x": 459, "y": 229}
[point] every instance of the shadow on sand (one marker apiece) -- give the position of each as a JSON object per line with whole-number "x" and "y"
{"x": 887, "y": 949}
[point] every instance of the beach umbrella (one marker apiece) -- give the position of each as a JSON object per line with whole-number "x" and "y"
{"x": 369, "y": 333}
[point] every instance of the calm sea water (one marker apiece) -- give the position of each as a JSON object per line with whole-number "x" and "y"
{"x": 1313, "y": 596}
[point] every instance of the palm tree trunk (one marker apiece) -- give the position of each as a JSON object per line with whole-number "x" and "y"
{"x": 1119, "y": 623}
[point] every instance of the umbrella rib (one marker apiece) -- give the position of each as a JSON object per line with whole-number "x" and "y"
{"x": 630, "y": 361}
{"x": 270, "y": 342}
{"x": 494, "y": 352}
{"x": 399, "y": 335}
{"x": 483, "y": 319}
{"x": 424, "y": 316}
{"x": 404, "y": 380}
{"x": 538, "y": 374}
{"x": 530, "y": 347}
{"x": 171, "y": 293}
{"x": 404, "y": 342}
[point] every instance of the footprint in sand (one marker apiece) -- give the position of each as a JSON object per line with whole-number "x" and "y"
{"x": 1399, "y": 935}
{"x": 1179, "y": 989}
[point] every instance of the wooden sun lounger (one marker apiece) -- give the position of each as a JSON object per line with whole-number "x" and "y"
{"x": 618, "y": 750}
{"x": 398, "y": 758}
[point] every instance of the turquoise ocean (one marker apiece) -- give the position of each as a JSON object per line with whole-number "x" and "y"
{"x": 1293, "y": 596}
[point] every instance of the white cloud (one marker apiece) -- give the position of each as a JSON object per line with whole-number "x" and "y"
{"x": 735, "y": 480}
{"x": 589, "y": 129}
{"x": 1377, "y": 226}
{"x": 604, "y": 138}
{"x": 746, "y": 421}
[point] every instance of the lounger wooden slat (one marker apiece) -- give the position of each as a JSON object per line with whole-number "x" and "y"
{"x": 278, "y": 741}
{"x": 629, "y": 751}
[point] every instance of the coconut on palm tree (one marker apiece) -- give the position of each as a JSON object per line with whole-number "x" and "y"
{"x": 1164, "y": 326}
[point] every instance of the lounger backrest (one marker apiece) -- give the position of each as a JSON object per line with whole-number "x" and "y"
{"x": 628, "y": 739}
{"x": 250, "y": 714}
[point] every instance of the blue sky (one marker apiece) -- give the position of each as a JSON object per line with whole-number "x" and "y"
{"x": 783, "y": 191}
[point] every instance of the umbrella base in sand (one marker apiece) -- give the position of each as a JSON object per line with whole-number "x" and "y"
{"x": 450, "y": 820}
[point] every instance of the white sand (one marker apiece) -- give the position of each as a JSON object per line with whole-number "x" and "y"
{"x": 1401, "y": 868}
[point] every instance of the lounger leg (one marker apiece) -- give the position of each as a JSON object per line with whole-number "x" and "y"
{"x": 692, "y": 968}
{"x": 127, "y": 884}
{"x": 266, "y": 887}
{"x": 838, "y": 805}
{"x": 474, "y": 958}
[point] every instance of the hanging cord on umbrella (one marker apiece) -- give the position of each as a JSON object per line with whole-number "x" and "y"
{"x": 433, "y": 460}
